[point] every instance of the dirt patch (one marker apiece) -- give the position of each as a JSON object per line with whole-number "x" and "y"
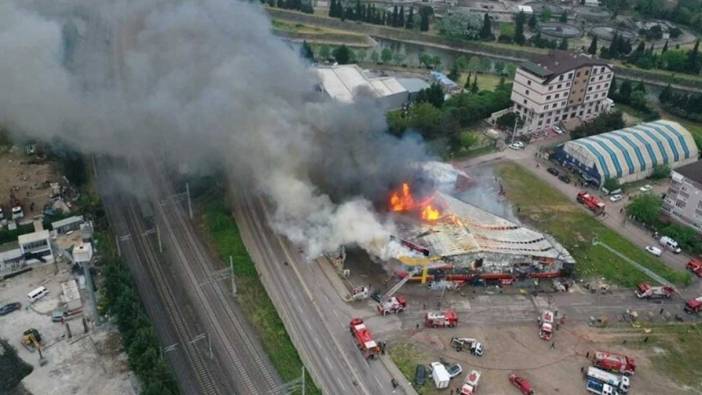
{"x": 28, "y": 178}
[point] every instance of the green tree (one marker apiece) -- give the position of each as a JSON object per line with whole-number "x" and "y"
{"x": 453, "y": 74}
{"x": 342, "y": 54}
{"x": 461, "y": 62}
{"x": 401, "y": 17}
{"x": 611, "y": 184}
{"x": 546, "y": 14}
{"x": 375, "y": 58}
{"x": 693, "y": 59}
{"x": 604, "y": 122}
{"x": 425, "y": 59}
{"x": 486, "y": 29}
{"x": 12, "y": 368}
{"x": 519, "y": 37}
{"x": 432, "y": 95}
{"x": 474, "y": 87}
{"x": 306, "y": 51}
{"x": 409, "y": 24}
{"x": 660, "y": 172}
{"x": 506, "y": 121}
{"x": 533, "y": 22}
{"x": 324, "y": 52}
{"x": 386, "y": 55}
{"x": 465, "y": 141}
{"x": 666, "y": 94}
{"x": 425, "y": 12}
{"x": 564, "y": 17}
{"x": 592, "y": 49}
{"x": 645, "y": 208}
{"x": 499, "y": 67}
{"x": 624, "y": 93}
{"x": 563, "y": 44}
{"x": 427, "y": 119}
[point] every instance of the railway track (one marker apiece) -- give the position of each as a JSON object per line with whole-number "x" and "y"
{"x": 184, "y": 332}
{"x": 254, "y": 374}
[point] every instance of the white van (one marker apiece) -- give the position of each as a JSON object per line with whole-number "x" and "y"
{"x": 670, "y": 244}
{"x": 37, "y": 294}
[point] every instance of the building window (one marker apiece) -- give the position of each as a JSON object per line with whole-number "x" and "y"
{"x": 577, "y": 74}
{"x": 587, "y": 72}
{"x": 588, "y": 110}
{"x": 529, "y": 82}
{"x": 541, "y": 116}
{"x": 524, "y": 101}
{"x": 550, "y": 87}
{"x": 548, "y": 120}
{"x": 559, "y": 86}
{"x": 526, "y": 92}
{"x": 541, "y": 123}
{"x": 580, "y": 113}
{"x": 565, "y": 116}
{"x": 600, "y": 78}
{"x": 560, "y": 77}
{"x": 548, "y": 97}
{"x": 572, "y": 115}
{"x": 589, "y": 88}
{"x": 680, "y": 204}
{"x": 546, "y": 107}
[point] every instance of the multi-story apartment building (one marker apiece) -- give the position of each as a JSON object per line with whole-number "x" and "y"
{"x": 683, "y": 202}
{"x": 561, "y": 87}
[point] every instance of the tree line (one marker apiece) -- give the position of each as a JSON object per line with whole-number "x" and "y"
{"x": 119, "y": 300}
{"x": 433, "y": 118}
{"x": 369, "y": 13}
{"x": 684, "y": 12}
{"x": 634, "y": 96}
{"x": 685, "y": 105}
{"x": 676, "y": 59}
{"x": 297, "y": 5}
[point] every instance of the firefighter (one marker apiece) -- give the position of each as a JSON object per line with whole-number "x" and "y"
{"x": 394, "y": 383}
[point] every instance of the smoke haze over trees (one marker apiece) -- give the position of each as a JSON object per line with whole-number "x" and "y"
{"x": 195, "y": 80}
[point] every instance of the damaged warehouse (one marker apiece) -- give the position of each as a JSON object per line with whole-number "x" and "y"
{"x": 465, "y": 243}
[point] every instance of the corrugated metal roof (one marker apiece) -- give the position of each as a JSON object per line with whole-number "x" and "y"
{"x": 637, "y": 149}
{"x": 343, "y": 82}
{"x": 473, "y": 230}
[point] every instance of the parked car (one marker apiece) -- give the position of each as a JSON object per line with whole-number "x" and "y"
{"x": 616, "y": 198}
{"x": 517, "y": 145}
{"x": 454, "y": 369}
{"x": 9, "y": 308}
{"x": 420, "y": 375}
{"x": 558, "y": 130}
{"x": 553, "y": 171}
{"x": 521, "y": 383}
{"x": 695, "y": 266}
{"x": 654, "y": 250}
{"x": 646, "y": 188}
{"x": 564, "y": 178}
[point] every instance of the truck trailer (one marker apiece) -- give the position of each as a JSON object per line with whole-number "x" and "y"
{"x": 599, "y": 388}
{"x": 647, "y": 291}
{"x": 443, "y": 319}
{"x": 619, "y": 382}
{"x": 614, "y": 362}
{"x": 440, "y": 375}
{"x": 364, "y": 338}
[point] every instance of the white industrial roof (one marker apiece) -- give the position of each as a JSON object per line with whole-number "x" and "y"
{"x": 32, "y": 237}
{"x": 342, "y": 82}
{"x": 467, "y": 229}
{"x": 525, "y": 9}
{"x": 82, "y": 253}
{"x": 66, "y": 221}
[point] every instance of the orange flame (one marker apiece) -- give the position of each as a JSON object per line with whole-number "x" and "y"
{"x": 402, "y": 201}
{"x": 429, "y": 213}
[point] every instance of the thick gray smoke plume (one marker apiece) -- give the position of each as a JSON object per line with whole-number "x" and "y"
{"x": 205, "y": 81}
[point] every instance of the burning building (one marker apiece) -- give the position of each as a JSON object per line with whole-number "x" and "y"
{"x": 456, "y": 241}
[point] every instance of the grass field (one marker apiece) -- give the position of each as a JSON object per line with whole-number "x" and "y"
{"x": 549, "y": 210}
{"x": 253, "y": 299}
{"x": 406, "y": 357}
{"x": 677, "y": 352}
{"x": 486, "y": 82}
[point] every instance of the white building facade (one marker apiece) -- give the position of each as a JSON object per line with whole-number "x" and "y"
{"x": 683, "y": 202}
{"x": 559, "y": 88}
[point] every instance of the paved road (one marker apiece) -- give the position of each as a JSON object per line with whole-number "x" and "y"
{"x": 314, "y": 315}
{"x": 615, "y": 218}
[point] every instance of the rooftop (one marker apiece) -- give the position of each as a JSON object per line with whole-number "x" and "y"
{"x": 473, "y": 231}
{"x": 344, "y": 82}
{"x": 693, "y": 171}
{"x": 558, "y": 62}
{"x": 34, "y": 236}
{"x": 66, "y": 221}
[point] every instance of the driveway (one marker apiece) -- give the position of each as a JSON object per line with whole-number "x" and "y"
{"x": 615, "y": 217}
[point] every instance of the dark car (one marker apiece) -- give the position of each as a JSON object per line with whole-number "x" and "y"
{"x": 9, "y": 308}
{"x": 420, "y": 375}
{"x": 552, "y": 170}
{"x": 564, "y": 178}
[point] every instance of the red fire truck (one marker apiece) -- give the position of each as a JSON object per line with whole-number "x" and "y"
{"x": 435, "y": 319}
{"x": 614, "y": 362}
{"x": 591, "y": 202}
{"x": 364, "y": 338}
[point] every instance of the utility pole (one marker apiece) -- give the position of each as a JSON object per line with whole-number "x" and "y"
{"x": 231, "y": 265}
{"x": 190, "y": 206}
{"x": 158, "y": 236}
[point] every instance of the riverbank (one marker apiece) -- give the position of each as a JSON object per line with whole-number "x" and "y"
{"x": 497, "y": 51}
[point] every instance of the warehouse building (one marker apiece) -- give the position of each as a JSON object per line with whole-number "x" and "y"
{"x": 629, "y": 154}
{"x": 346, "y": 83}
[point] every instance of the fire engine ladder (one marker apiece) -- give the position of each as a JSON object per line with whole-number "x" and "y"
{"x": 389, "y": 294}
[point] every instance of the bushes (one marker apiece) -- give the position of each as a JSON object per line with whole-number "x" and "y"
{"x": 120, "y": 300}
{"x": 604, "y": 122}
